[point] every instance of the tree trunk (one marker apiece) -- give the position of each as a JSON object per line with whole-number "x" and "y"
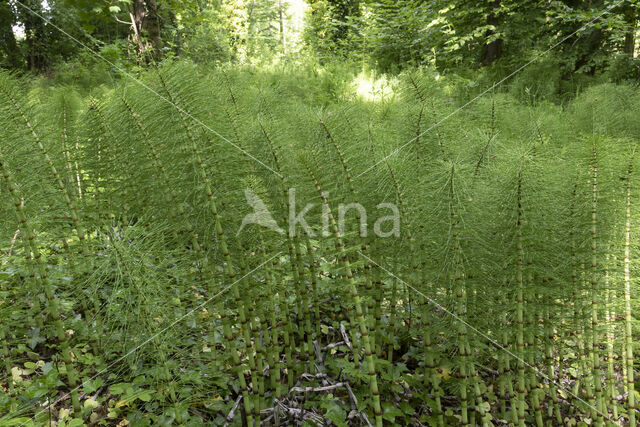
{"x": 492, "y": 50}
{"x": 146, "y": 21}
{"x": 177, "y": 39}
{"x": 152, "y": 26}
{"x": 137, "y": 18}
{"x": 630, "y": 35}
{"x": 10, "y": 55}
{"x": 281, "y": 17}
{"x": 590, "y": 43}
{"x": 35, "y": 36}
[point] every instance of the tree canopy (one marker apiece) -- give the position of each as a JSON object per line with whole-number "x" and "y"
{"x": 384, "y": 34}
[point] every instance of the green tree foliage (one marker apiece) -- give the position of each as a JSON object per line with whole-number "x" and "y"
{"x": 10, "y": 55}
{"x": 333, "y": 27}
{"x": 384, "y": 34}
{"x": 466, "y": 34}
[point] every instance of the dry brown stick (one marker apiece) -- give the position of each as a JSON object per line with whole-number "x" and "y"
{"x": 354, "y": 405}
{"x": 352, "y": 397}
{"x": 316, "y": 348}
{"x": 13, "y": 242}
{"x": 232, "y": 413}
{"x": 365, "y": 419}
{"x": 345, "y": 337}
{"x": 316, "y": 389}
{"x": 300, "y": 413}
{"x": 307, "y": 376}
{"x": 333, "y": 345}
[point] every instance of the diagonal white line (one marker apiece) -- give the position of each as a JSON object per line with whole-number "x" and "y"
{"x": 66, "y": 395}
{"x": 496, "y": 84}
{"x": 491, "y": 340}
{"x": 139, "y": 82}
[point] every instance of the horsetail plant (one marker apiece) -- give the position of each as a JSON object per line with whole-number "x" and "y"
{"x": 39, "y": 273}
{"x": 628, "y": 327}
{"x": 353, "y": 290}
{"x": 137, "y": 205}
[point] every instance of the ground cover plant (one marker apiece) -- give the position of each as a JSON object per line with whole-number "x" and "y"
{"x": 134, "y": 291}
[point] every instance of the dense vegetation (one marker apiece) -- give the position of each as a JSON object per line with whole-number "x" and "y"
{"x": 389, "y": 35}
{"x": 338, "y": 212}
{"x": 127, "y": 293}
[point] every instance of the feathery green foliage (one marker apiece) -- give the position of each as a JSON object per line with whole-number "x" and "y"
{"x": 131, "y": 287}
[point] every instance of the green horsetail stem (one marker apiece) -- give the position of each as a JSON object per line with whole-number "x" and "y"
{"x": 563, "y": 333}
{"x": 228, "y": 267}
{"x": 238, "y": 366}
{"x": 58, "y": 180}
{"x": 584, "y": 339}
{"x": 255, "y": 325}
{"x": 246, "y": 328}
{"x": 609, "y": 320}
{"x": 554, "y": 404}
{"x": 363, "y": 248}
{"x": 96, "y": 177}
{"x": 233, "y": 119}
{"x": 303, "y": 309}
{"x": 274, "y": 358}
{"x": 419, "y": 118}
{"x": 461, "y": 312}
{"x": 377, "y": 281}
{"x": 364, "y": 330}
{"x": 231, "y": 94}
{"x": 379, "y": 292}
{"x": 176, "y": 208}
{"x": 595, "y": 336}
{"x": 34, "y": 286}
{"x": 308, "y": 343}
{"x": 66, "y": 153}
{"x": 393, "y": 303}
{"x": 436, "y": 127}
{"x": 531, "y": 324}
{"x": 577, "y": 311}
{"x": 419, "y": 130}
{"x": 520, "y": 305}
{"x": 628, "y": 325}
{"x": 39, "y": 272}
{"x": 105, "y": 129}
{"x": 431, "y": 374}
{"x": 485, "y": 414}
{"x": 71, "y": 206}
{"x": 64, "y": 134}
{"x": 530, "y": 345}
{"x": 240, "y": 306}
{"x": 260, "y": 357}
{"x": 492, "y": 134}
{"x": 414, "y": 265}
{"x": 73, "y": 266}
{"x": 73, "y": 175}
{"x": 314, "y": 284}
{"x": 504, "y": 376}
{"x": 165, "y": 373}
{"x": 289, "y": 342}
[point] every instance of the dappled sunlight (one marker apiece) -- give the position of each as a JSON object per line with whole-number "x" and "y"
{"x": 373, "y": 89}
